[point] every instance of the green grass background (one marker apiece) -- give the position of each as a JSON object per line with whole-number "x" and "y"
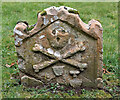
{"x": 106, "y": 13}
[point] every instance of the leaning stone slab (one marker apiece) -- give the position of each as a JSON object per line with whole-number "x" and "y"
{"x": 60, "y": 48}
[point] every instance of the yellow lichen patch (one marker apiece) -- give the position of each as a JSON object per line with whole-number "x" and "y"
{"x": 73, "y": 11}
{"x": 43, "y": 13}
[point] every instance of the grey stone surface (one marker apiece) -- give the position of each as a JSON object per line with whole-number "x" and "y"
{"x": 58, "y": 70}
{"x": 28, "y": 81}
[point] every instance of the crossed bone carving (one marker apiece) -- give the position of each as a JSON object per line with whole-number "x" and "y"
{"x": 63, "y": 58}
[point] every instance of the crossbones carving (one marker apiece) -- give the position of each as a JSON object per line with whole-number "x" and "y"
{"x": 63, "y": 58}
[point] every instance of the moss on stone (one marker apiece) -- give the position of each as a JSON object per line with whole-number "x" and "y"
{"x": 73, "y": 11}
{"x": 43, "y": 13}
{"x": 30, "y": 28}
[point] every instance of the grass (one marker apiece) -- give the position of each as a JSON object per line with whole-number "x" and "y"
{"x": 106, "y": 13}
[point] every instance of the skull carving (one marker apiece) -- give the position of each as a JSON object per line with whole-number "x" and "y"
{"x": 58, "y": 37}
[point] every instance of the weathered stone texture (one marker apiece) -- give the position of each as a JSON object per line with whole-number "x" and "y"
{"x": 60, "y": 47}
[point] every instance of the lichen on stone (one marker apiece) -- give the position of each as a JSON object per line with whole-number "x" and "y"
{"x": 18, "y": 41}
{"x": 30, "y": 28}
{"x": 42, "y": 36}
{"x": 73, "y": 11}
{"x": 18, "y": 32}
{"x": 43, "y": 13}
{"x": 46, "y": 21}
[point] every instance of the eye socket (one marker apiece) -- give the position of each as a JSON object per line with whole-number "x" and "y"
{"x": 25, "y": 30}
{"x": 63, "y": 31}
{"x": 54, "y": 32}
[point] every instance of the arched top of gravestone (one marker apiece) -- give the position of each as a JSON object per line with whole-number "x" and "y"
{"x": 64, "y": 14}
{"x": 67, "y": 15}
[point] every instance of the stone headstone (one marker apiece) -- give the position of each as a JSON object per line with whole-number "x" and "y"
{"x": 59, "y": 48}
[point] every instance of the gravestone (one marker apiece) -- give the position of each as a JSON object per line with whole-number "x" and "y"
{"x": 59, "y": 48}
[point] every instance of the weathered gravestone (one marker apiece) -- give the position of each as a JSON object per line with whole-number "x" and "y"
{"x": 60, "y": 48}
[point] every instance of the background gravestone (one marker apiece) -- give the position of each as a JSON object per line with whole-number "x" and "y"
{"x": 60, "y": 48}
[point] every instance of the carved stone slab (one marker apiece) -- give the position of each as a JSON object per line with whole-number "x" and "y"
{"x": 60, "y": 48}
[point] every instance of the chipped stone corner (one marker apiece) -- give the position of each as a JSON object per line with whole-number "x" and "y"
{"x": 30, "y": 82}
{"x": 20, "y": 32}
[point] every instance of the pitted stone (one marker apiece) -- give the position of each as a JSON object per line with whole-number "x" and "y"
{"x": 58, "y": 70}
{"x": 76, "y": 82}
{"x": 29, "y": 81}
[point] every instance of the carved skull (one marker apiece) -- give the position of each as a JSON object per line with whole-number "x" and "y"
{"x": 58, "y": 37}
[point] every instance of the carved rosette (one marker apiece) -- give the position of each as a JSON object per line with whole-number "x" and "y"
{"x": 60, "y": 47}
